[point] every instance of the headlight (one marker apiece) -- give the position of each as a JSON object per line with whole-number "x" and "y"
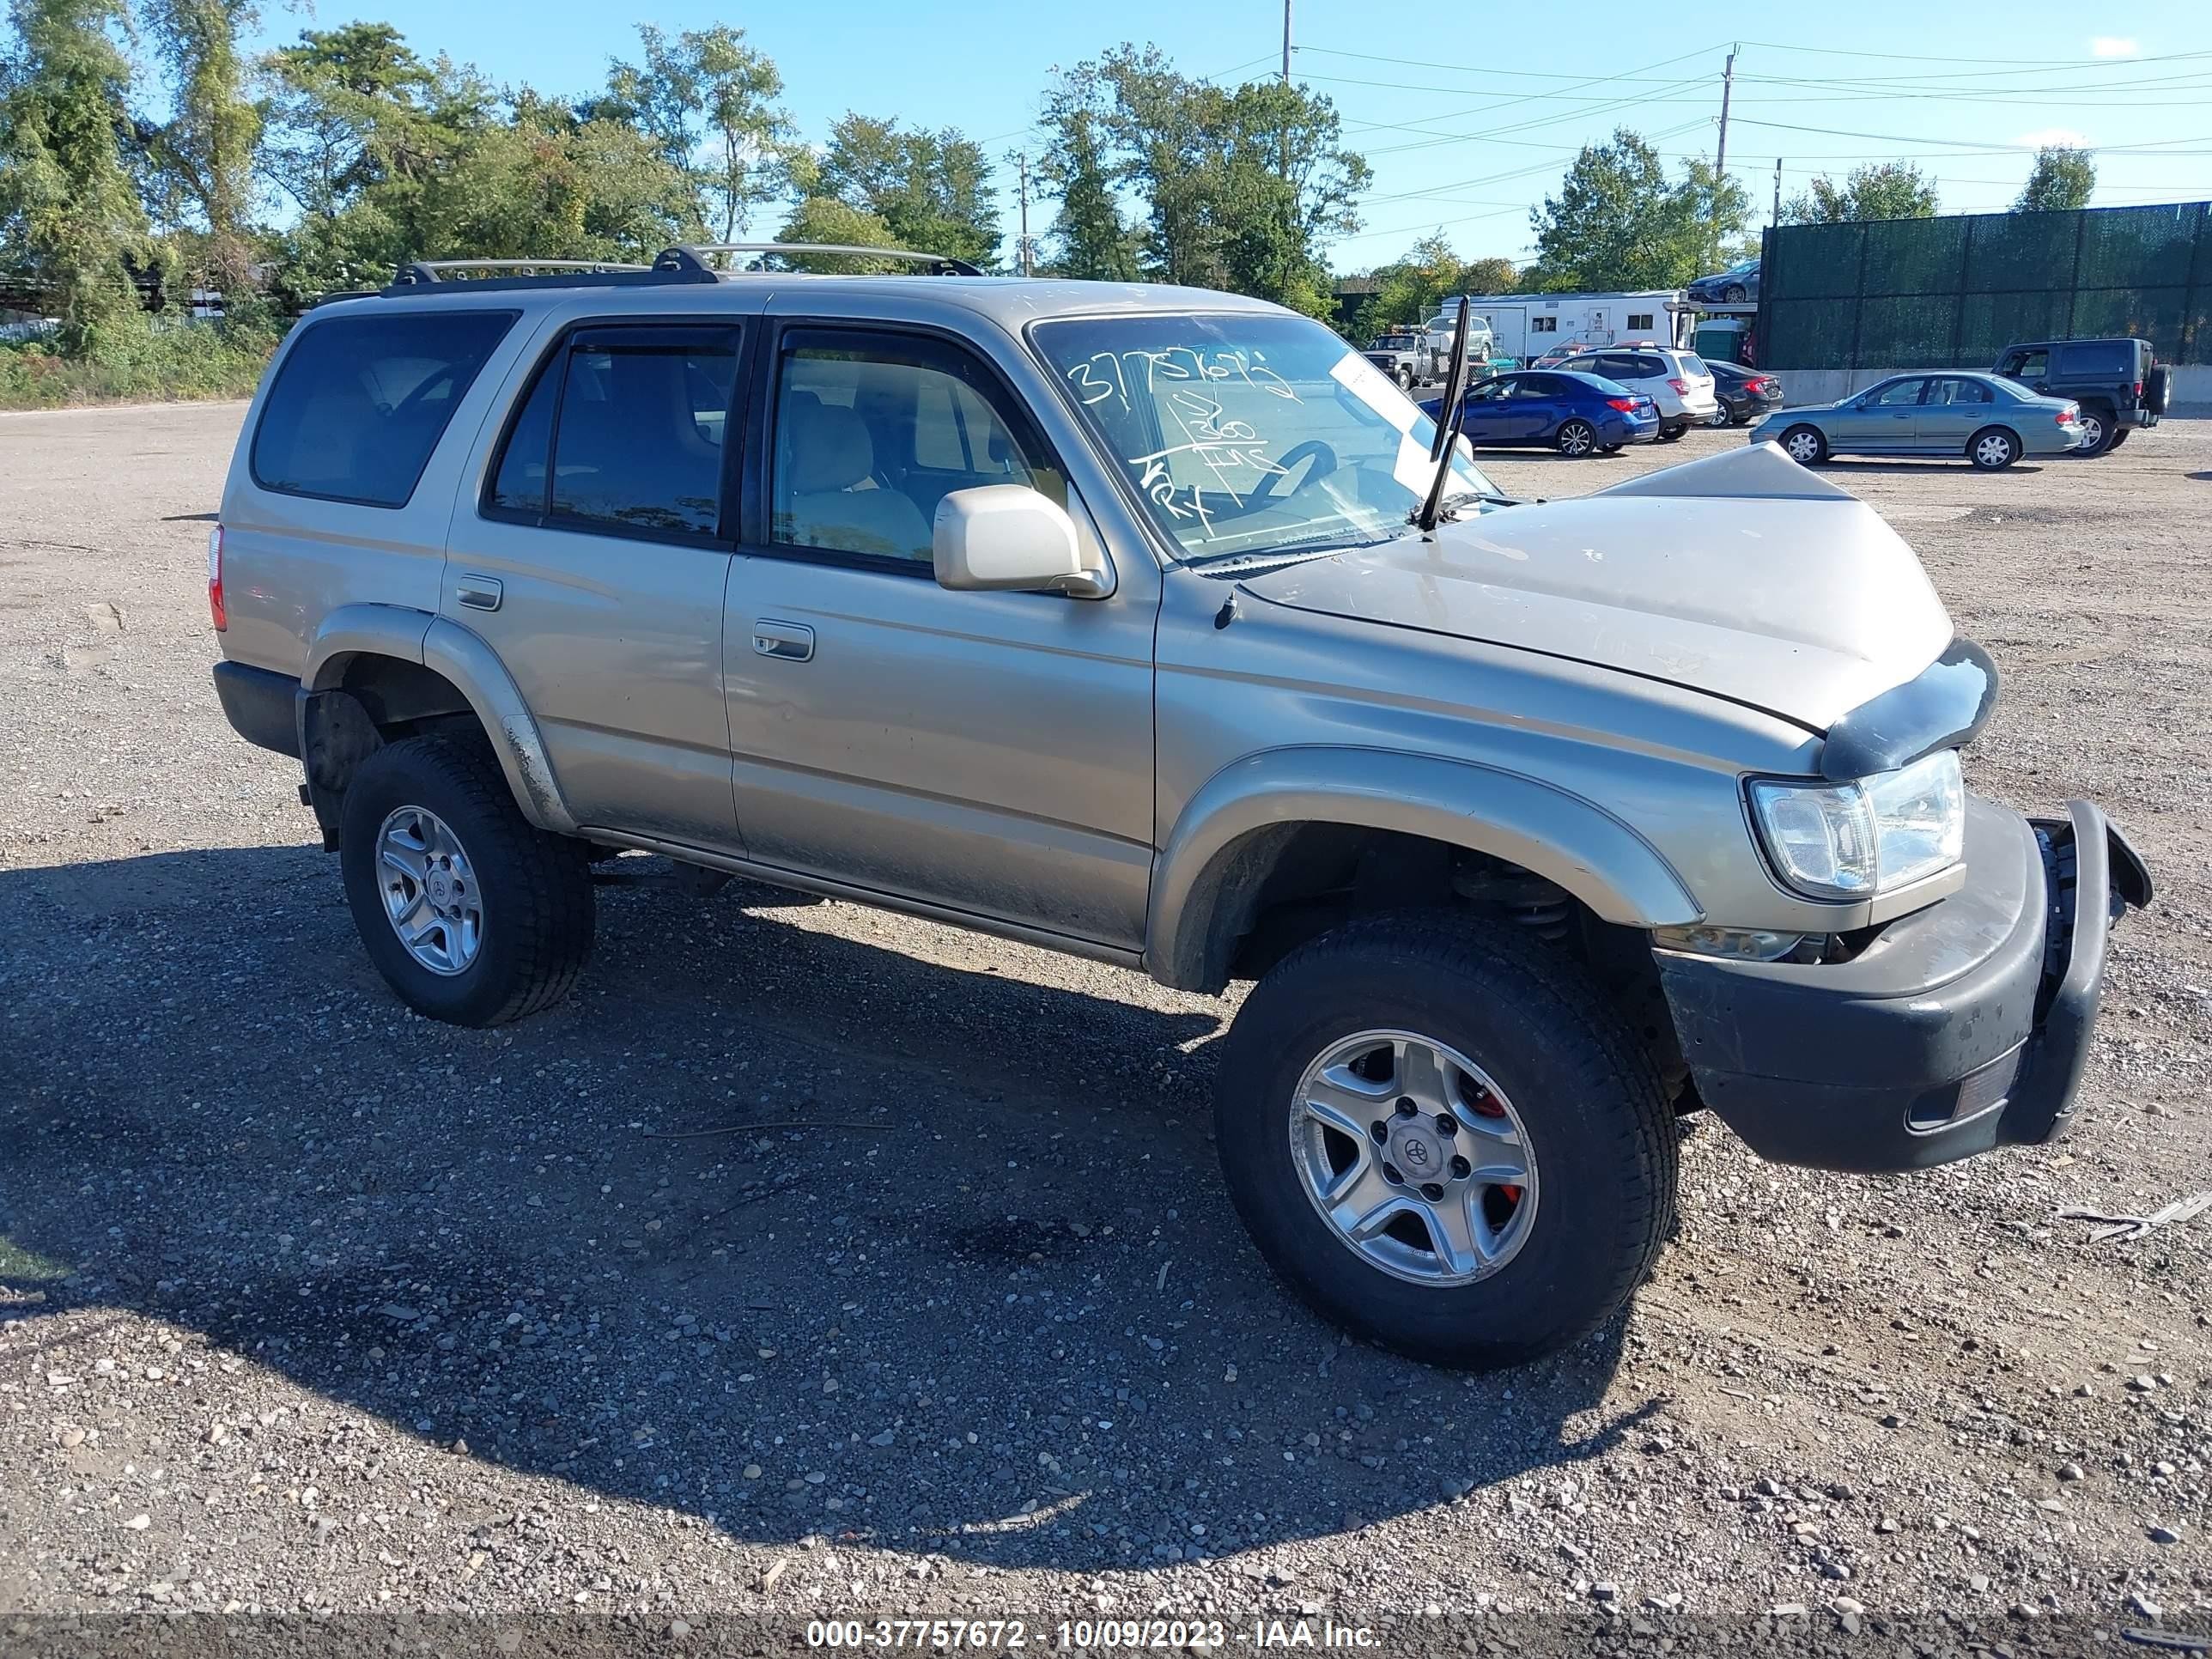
{"x": 1847, "y": 840}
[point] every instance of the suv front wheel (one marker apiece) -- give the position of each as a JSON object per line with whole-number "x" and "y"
{"x": 470, "y": 912}
{"x": 1442, "y": 1138}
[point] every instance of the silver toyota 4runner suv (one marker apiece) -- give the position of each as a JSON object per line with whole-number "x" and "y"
{"x": 1093, "y": 616}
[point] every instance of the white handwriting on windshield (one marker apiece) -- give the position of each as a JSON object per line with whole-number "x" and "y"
{"x": 1232, "y": 450}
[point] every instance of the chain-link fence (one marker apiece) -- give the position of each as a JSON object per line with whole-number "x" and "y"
{"x": 1952, "y": 293}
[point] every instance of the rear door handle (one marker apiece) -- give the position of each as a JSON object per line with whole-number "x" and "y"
{"x": 479, "y": 592}
{"x": 785, "y": 642}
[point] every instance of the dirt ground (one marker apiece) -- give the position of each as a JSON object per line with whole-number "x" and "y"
{"x": 311, "y": 1304}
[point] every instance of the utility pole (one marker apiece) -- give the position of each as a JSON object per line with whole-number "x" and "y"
{"x": 1022, "y": 254}
{"x": 1287, "y": 42}
{"x": 1777, "y": 189}
{"x": 1720, "y": 156}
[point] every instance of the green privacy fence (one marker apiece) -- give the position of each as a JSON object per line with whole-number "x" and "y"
{"x": 1951, "y": 293}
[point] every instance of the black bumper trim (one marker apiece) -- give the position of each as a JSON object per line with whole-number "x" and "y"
{"x": 1965, "y": 1027}
{"x": 259, "y": 705}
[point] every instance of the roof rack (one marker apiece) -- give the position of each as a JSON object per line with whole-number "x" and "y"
{"x": 944, "y": 264}
{"x": 685, "y": 263}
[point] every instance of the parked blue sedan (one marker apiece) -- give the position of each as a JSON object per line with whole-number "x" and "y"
{"x": 1574, "y": 413}
{"x": 1990, "y": 421}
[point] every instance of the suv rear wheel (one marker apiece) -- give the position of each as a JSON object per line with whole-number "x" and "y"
{"x": 1444, "y": 1138}
{"x": 472, "y": 913}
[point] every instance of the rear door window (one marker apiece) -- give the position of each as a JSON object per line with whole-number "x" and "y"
{"x": 2098, "y": 360}
{"x": 622, "y": 433}
{"x": 360, "y": 401}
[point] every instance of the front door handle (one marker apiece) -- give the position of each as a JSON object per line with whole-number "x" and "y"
{"x": 479, "y": 592}
{"x": 785, "y": 642}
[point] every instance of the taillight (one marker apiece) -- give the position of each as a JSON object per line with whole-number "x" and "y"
{"x": 2139, "y": 389}
{"x": 1681, "y": 387}
{"x": 1626, "y": 405}
{"x": 2065, "y": 417}
{"x": 1758, "y": 384}
{"x": 215, "y": 579}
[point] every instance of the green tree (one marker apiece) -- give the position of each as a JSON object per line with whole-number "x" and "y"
{"x": 932, "y": 189}
{"x": 827, "y": 220}
{"x": 1618, "y": 221}
{"x": 1090, "y": 238}
{"x": 203, "y": 153}
{"x": 1238, "y": 189}
{"x": 1890, "y": 190}
{"x": 338, "y": 118}
{"x": 1411, "y": 289}
{"x": 69, "y": 214}
{"x": 2062, "y": 177}
{"x": 708, "y": 99}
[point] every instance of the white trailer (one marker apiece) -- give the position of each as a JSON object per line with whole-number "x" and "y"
{"x": 1525, "y": 326}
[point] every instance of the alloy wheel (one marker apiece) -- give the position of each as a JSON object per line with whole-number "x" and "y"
{"x": 431, "y": 894}
{"x": 1414, "y": 1158}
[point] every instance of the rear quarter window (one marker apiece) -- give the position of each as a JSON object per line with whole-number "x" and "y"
{"x": 2098, "y": 359}
{"x": 359, "y": 403}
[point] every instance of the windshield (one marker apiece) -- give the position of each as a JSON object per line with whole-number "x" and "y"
{"x": 1249, "y": 432}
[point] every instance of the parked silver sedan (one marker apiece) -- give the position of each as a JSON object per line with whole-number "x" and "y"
{"x": 1990, "y": 420}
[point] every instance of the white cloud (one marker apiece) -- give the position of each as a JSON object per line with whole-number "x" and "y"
{"x": 2041, "y": 136}
{"x": 2114, "y": 45}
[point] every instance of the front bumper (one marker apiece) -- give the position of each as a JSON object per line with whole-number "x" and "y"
{"x": 1963, "y": 1027}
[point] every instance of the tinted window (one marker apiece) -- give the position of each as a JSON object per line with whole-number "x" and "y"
{"x": 1693, "y": 366}
{"x": 2028, "y": 365}
{"x": 2102, "y": 360}
{"x": 872, "y": 432}
{"x": 361, "y": 401}
{"x": 1951, "y": 390}
{"x": 519, "y": 483}
{"x": 1643, "y": 366}
{"x": 634, "y": 419}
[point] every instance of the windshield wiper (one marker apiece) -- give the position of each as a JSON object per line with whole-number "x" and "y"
{"x": 1277, "y": 552}
{"x": 1485, "y": 497}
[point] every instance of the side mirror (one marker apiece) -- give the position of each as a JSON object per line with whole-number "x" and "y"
{"x": 1009, "y": 538}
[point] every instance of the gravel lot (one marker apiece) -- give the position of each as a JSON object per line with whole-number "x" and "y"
{"x": 311, "y": 1304}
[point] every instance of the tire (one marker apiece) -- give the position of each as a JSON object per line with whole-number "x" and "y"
{"x": 533, "y": 891}
{"x": 2119, "y": 437}
{"x": 1609, "y": 449}
{"x": 1668, "y": 435}
{"x": 1562, "y": 1068}
{"x": 2096, "y": 431}
{"x": 1405, "y": 379}
{"x": 2157, "y": 391}
{"x": 1734, "y": 294}
{"x": 1808, "y": 446}
{"x": 1993, "y": 448}
{"x": 1575, "y": 440}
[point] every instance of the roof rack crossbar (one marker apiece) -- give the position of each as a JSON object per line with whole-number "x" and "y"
{"x": 944, "y": 262}
{"x": 436, "y": 270}
{"x": 687, "y": 262}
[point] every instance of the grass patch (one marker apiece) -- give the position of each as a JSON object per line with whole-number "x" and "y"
{"x": 158, "y": 361}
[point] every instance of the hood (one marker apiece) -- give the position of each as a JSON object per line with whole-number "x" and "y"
{"x": 1742, "y": 576}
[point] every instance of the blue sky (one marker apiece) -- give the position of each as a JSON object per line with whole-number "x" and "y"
{"x": 1468, "y": 114}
